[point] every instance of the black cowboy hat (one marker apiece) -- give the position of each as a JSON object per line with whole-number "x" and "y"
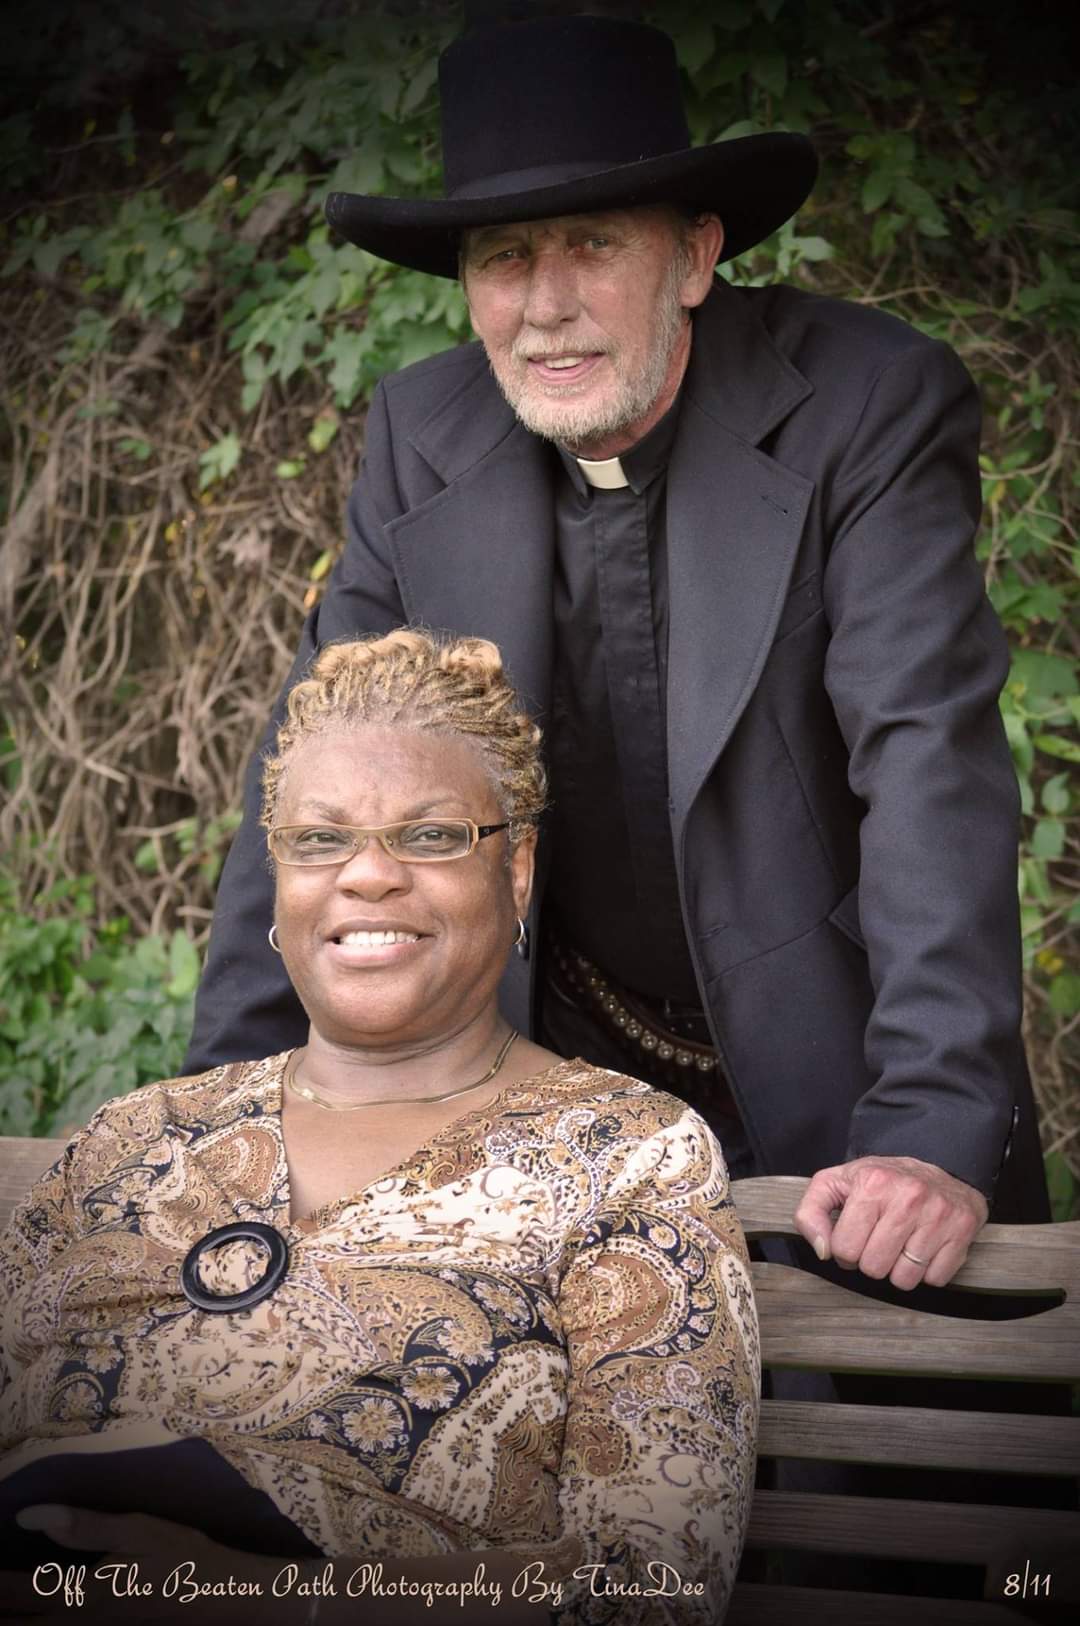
{"x": 563, "y": 115}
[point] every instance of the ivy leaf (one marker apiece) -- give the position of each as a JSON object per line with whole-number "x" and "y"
{"x": 50, "y": 255}
{"x": 1055, "y": 794}
{"x": 813, "y": 248}
{"x": 346, "y": 351}
{"x": 184, "y": 966}
{"x": 732, "y": 14}
{"x": 877, "y": 189}
{"x": 198, "y": 234}
{"x": 323, "y": 430}
{"x": 361, "y": 171}
{"x": 770, "y": 72}
{"x": 293, "y": 352}
{"x": 219, "y": 461}
{"x": 726, "y": 68}
{"x": 147, "y": 858}
{"x": 1043, "y": 674}
{"x": 1056, "y": 745}
{"x": 883, "y": 235}
{"x": 917, "y": 200}
{"x": 1048, "y": 839}
{"x": 325, "y": 289}
{"x": 418, "y": 88}
{"x": 695, "y": 46}
{"x": 1065, "y": 994}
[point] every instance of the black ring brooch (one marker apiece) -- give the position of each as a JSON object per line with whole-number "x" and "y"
{"x": 277, "y": 1263}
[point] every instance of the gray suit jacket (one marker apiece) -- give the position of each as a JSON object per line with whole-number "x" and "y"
{"x": 843, "y": 807}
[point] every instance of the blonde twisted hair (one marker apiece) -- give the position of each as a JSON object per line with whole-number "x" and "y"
{"x": 445, "y": 686}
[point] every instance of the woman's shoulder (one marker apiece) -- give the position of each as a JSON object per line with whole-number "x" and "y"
{"x": 581, "y": 1082}
{"x": 193, "y": 1102}
{"x": 619, "y": 1120}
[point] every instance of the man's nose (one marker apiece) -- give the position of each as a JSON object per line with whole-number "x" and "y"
{"x": 551, "y": 296}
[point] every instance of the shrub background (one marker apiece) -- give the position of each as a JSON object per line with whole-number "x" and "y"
{"x": 185, "y": 357}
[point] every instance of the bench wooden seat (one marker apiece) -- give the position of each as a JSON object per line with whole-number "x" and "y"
{"x": 810, "y": 1323}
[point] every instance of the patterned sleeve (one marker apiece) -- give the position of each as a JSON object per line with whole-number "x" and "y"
{"x": 41, "y": 1226}
{"x": 659, "y": 1452}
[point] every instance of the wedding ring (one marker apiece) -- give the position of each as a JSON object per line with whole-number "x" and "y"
{"x": 915, "y": 1260}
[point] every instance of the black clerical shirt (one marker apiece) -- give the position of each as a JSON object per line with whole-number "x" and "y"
{"x": 613, "y": 882}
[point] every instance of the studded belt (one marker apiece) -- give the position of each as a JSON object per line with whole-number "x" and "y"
{"x": 687, "y": 1067}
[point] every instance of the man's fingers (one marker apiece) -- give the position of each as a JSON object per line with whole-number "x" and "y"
{"x": 860, "y": 1221}
{"x": 946, "y": 1262}
{"x": 815, "y": 1215}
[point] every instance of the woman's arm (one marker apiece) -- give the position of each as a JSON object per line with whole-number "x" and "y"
{"x": 659, "y": 1454}
{"x": 41, "y": 1227}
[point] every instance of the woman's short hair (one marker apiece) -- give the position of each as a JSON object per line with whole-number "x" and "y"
{"x": 419, "y": 681}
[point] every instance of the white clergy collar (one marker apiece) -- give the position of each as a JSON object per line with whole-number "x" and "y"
{"x": 604, "y": 473}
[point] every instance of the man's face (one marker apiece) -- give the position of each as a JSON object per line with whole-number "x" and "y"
{"x": 584, "y": 319}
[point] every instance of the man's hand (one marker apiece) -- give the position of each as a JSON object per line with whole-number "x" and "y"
{"x": 898, "y": 1217}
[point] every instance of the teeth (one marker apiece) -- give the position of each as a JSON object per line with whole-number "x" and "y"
{"x": 377, "y": 939}
{"x": 562, "y": 361}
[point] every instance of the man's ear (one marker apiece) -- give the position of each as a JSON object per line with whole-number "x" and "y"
{"x": 704, "y": 243}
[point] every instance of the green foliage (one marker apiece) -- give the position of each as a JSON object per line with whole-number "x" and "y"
{"x": 219, "y": 460}
{"x": 84, "y": 1013}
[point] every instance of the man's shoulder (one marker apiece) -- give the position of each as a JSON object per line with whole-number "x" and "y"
{"x": 813, "y": 329}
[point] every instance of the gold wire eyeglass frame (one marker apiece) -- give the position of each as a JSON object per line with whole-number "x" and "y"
{"x": 388, "y": 837}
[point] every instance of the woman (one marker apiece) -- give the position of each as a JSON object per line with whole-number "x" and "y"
{"x": 499, "y": 1310}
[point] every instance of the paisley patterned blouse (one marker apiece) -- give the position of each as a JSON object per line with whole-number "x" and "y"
{"x": 536, "y": 1332}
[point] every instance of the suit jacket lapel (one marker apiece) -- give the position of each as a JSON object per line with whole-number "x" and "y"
{"x": 735, "y": 518}
{"x": 477, "y": 557}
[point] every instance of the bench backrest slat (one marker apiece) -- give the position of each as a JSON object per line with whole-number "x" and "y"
{"x": 920, "y": 1437}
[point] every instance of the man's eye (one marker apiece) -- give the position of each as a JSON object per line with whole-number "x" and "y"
{"x": 599, "y": 242}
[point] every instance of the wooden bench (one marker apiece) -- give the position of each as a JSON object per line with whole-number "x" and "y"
{"x": 810, "y": 1323}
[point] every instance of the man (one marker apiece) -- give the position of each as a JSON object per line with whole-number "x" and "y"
{"x": 724, "y": 540}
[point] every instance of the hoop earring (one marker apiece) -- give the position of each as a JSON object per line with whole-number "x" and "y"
{"x": 272, "y": 938}
{"x": 521, "y": 941}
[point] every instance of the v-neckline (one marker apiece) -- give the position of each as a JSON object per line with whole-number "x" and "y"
{"x": 321, "y": 1218}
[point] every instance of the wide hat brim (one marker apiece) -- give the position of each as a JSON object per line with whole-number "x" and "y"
{"x": 754, "y": 183}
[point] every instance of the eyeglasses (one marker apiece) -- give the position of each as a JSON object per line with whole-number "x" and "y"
{"x": 418, "y": 841}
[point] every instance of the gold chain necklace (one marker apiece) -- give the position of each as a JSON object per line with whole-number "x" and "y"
{"x": 308, "y": 1094}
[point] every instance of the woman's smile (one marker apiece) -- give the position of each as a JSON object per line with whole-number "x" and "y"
{"x": 373, "y": 944}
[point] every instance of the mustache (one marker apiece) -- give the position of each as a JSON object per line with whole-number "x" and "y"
{"x": 524, "y": 350}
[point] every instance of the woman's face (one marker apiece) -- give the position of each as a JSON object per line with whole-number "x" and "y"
{"x": 457, "y": 919}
